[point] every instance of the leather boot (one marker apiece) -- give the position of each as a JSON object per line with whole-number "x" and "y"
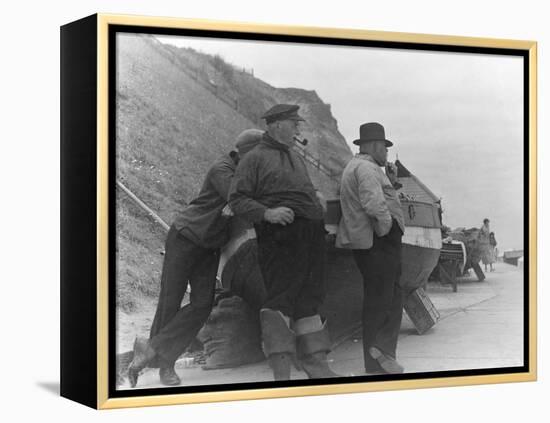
{"x": 143, "y": 353}
{"x": 168, "y": 376}
{"x": 387, "y": 363}
{"x": 316, "y": 366}
{"x": 279, "y": 343}
{"x": 280, "y": 364}
{"x": 312, "y": 350}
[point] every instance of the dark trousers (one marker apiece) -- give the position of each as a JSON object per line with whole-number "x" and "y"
{"x": 292, "y": 260}
{"x": 380, "y": 267}
{"x": 175, "y": 327}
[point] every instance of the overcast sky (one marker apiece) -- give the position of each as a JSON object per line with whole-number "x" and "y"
{"x": 455, "y": 119}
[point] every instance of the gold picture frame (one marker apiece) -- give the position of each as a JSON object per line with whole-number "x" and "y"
{"x": 88, "y": 196}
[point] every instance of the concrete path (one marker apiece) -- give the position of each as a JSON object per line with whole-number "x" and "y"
{"x": 481, "y": 326}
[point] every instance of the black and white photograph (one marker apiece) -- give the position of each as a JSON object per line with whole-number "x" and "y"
{"x": 294, "y": 211}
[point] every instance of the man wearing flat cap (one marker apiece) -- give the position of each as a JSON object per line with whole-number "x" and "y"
{"x": 272, "y": 189}
{"x": 372, "y": 225}
{"x": 191, "y": 257}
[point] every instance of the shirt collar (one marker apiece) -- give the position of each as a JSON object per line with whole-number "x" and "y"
{"x": 367, "y": 157}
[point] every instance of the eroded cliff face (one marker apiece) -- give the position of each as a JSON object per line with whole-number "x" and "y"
{"x": 177, "y": 110}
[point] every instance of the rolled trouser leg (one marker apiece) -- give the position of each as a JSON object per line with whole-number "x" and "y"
{"x": 279, "y": 342}
{"x": 313, "y": 345}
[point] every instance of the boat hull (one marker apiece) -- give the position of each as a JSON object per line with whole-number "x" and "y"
{"x": 417, "y": 263}
{"x": 420, "y": 254}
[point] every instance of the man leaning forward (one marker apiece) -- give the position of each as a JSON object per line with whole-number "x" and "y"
{"x": 191, "y": 259}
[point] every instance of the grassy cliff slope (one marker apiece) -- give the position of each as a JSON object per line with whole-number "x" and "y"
{"x": 176, "y": 111}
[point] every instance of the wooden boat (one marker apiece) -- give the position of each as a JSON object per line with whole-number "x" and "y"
{"x": 421, "y": 242}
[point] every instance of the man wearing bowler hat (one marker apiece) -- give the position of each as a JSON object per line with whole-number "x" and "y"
{"x": 372, "y": 225}
{"x": 191, "y": 257}
{"x": 272, "y": 189}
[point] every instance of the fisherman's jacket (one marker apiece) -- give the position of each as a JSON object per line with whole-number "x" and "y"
{"x": 369, "y": 204}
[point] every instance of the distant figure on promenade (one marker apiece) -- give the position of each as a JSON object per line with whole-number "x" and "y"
{"x": 494, "y": 250}
{"x": 192, "y": 255}
{"x": 486, "y": 251}
{"x": 372, "y": 225}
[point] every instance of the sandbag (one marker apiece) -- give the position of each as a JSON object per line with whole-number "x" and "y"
{"x": 231, "y": 336}
{"x": 243, "y": 277}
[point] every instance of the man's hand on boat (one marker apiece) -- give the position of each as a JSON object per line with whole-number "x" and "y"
{"x": 391, "y": 172}
{"x": 279, "y": 215}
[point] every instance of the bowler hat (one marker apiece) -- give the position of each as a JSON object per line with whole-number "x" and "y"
{"x": 372, "y": 131}
{"x": 282, "y": 112}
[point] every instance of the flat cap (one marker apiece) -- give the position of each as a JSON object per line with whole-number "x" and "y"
{"x": 282, "y": 112}
{"x": 248, "y": 139}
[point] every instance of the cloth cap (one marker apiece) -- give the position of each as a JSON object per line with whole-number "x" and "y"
{"x": 248, "y": 139}
{"x": 282, "y": 112}
{"x": 372, "y": 131}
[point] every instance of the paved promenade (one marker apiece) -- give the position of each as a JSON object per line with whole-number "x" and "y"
{"x": 481, "y": 326}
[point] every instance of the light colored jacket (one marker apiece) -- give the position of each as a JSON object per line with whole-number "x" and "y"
{"x": 369, "y": 202}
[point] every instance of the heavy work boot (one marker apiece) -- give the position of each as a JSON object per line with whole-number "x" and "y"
{"x": 143, "y": 353}
{"x": 387, "y": 363}
{"x": 168, "y": 376}
{"x": 279, "y": 342}
{"x": 313, "y": 345}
